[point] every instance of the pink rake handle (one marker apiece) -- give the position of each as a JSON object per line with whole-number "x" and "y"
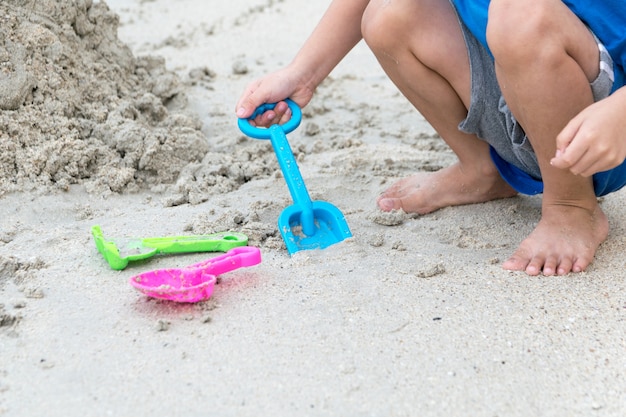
{"x": 233, "y": 259}
{"x": 194, "y": 282}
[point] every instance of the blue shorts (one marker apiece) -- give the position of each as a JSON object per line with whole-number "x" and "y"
{"x": 490, "y": 119}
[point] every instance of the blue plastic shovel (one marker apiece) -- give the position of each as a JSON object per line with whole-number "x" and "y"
{"x": 305, "y": 224}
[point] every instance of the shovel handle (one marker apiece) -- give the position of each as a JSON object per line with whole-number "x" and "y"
{"x": 277, "y": 135}
{"x": 263, "y": 133}
{"x": 293, "y": 178}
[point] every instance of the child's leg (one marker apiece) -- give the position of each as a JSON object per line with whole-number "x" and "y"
{"x": 420, "y": 46}
{"x": 545, "y": 60}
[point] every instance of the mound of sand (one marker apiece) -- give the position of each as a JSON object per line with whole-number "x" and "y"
{"x": 76, "y": 107}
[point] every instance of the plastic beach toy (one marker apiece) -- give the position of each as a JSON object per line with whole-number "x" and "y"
{"x": 118, "y": 255}
{"x": 195, "y": 282}
{"x": 305, "y": 224}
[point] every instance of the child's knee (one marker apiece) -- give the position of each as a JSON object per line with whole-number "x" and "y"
{"x": 516, "y": 29}
{"x": 382, "y": 24}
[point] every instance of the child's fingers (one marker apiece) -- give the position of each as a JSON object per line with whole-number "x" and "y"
{"x": 569, "y": 148}
{"x": 566, "y": 136}
{"x": 245, "y": 105}
{"x": 583, "y": 165}
{"x": 280, "y": 114}
{"x": 589, "y": 169}
{"x": 248, "y": 104}
{"x": 568, "y": 158}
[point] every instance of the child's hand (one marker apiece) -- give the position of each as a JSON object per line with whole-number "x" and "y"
{"x": 594, "y": 140}
{"x": 273, "y": 88}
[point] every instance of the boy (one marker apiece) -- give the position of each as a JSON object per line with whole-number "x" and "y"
{"x": 528, "y": 94}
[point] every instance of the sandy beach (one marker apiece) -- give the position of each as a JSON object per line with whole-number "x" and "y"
{"x": 121, "y": 114}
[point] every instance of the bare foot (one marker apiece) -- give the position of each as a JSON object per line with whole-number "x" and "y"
{"x": 426, "y": 192}
{"x": 564, "y": 241}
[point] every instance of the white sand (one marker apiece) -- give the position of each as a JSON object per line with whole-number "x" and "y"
{"x": 411, "y": 317}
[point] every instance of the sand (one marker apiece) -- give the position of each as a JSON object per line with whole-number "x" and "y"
{"x": 121, "y": 115}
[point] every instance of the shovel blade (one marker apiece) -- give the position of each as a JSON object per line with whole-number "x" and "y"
{"x": 330, "y": 227}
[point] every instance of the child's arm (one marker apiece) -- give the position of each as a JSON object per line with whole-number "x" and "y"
{"x": 336, "y": 34}
{"x": 594, "y": 140}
